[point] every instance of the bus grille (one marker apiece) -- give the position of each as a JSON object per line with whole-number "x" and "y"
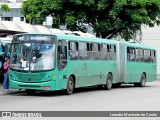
{"x": 30, "y": 77}
{"x": 29, "y": 86}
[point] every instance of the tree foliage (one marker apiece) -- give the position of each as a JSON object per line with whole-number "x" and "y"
{"x": 108, "y": 18}
{"x": 5, "y": 7}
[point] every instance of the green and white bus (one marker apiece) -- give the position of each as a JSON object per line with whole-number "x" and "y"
{"x": 64, "y": 62}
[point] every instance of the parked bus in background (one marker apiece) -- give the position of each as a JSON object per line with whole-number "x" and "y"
{"x": 57, "y": 62}
{"x": 5, "y": 45}
{"x": 1, "y": 54}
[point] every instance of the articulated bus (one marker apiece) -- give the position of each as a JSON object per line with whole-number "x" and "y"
{"x": 65, "y": 62}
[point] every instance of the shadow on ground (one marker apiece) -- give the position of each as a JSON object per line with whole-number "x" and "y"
{"x": 62, "y": 92}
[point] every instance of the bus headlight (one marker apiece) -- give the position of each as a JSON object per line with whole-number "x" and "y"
{"x": 12, "y": 77}
{"x": 48, "y": 78}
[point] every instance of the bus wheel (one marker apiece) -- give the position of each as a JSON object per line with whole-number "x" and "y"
{"x": 142, "y": 81}
{"x": 70, "y": 86}
{"x": 30, "y": 91}
{"x": 109, "y": 81}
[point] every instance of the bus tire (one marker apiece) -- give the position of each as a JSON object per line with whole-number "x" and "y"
{"x": 109, "y": 81}
{"x": 70, "y": 86}
{"x": 142, "y": 81}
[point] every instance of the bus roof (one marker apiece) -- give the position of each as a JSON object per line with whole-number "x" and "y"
{"x": 75, "y": 38}
{"x": 92, "y": 39}
{"x": 85, "y": 39}
{"x": 140, "y": 45}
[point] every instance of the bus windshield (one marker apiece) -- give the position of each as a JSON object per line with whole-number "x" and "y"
{"x": 33, "y": 56}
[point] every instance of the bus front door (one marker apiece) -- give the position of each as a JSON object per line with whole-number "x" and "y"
{"x": 62, "y": 65}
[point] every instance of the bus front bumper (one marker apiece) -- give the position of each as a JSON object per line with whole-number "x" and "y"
{"x": 49, "y": 85}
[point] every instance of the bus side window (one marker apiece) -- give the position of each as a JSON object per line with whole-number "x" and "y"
{"x": 83, "y": 51}
{"x": 153, "y": 56}
{"x": 147, "y": 56}
{"x": 108, "y": 52}
{"x": 73, "y": 50}
{"x": 104, "y": 52}
{"x": 95, "y": 51}
{"x": 88, "y": 51}
{"x": 113, "y": 52}
{"x": 62, "y": 54}
{"x": 130, "y": 54}
{"x": 139, "y": 55}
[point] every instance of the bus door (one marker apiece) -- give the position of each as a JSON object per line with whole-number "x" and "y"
{"x": 113, "y": 61}
{"x": 76, "y": 64}
{"x": 84, "y": 76}
{"x": 138, "y": 66}
{"x": 130, "y": 63}
{"x": 94, "y": 69}
{"x": 62, "y": 73}
{"x": 153, "y": 61}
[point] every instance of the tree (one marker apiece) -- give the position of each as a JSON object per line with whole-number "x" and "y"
{"x": 108, "y": 18}
{"x": 5, "y": 7}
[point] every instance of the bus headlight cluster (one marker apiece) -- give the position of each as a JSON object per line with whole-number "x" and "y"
{"x": 49, "y": 77}
{"x": 12, "y": 77}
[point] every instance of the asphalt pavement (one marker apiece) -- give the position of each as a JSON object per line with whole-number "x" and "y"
{"x": 124, "y": 98}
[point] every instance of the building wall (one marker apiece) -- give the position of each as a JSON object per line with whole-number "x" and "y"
{"x": 12, "y": 5}
{"x": 18, "y": 19}
{"x": 15, "y": 13}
